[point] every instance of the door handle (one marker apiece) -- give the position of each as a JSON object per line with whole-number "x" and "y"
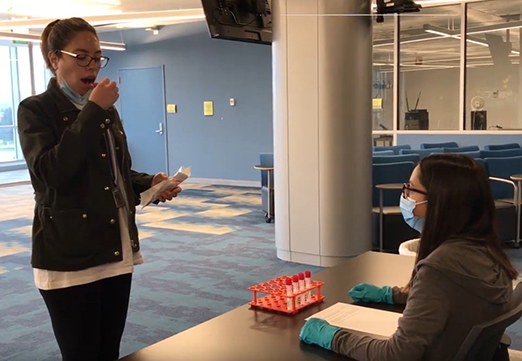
{"x": 160, "y": 130}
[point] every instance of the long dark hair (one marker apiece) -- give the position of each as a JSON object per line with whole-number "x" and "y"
{"x": 57, "y": 35}
{"x": 460, "y": 206}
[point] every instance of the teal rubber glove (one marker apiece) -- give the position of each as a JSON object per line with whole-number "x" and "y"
{"x": 319, "y": 332}
{"x": 366, "y": 292}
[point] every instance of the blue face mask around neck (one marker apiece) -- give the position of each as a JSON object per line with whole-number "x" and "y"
{"x": 72, "y": 95}
{"x": 407, "y": 206}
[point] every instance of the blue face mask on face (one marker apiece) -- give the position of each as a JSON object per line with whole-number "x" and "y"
{"x": 72, "y": 95}
{"x": 407, "y": 206}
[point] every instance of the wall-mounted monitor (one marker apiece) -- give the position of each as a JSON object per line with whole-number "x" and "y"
{"x": 239, "y": 20}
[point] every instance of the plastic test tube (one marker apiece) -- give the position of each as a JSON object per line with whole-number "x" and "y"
{"x": 295, "y": 288}
{"x": 302, "y": 297}
{"x": 308, "y": 284}
{"x": 288, "y": 283}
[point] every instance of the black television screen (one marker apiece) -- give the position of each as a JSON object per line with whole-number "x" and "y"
{"x": 240, "y": 20}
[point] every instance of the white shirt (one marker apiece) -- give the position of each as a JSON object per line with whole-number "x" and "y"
{"x": 51, "y": 280}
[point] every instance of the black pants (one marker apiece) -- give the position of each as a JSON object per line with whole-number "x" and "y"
{"x": 88, "y": 320}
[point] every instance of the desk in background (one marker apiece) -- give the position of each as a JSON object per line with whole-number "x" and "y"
{"x": 385, "y": 140}
{"x": 247, "y": 334}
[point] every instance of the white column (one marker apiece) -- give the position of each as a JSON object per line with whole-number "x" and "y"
{"x": 322, "y": 89}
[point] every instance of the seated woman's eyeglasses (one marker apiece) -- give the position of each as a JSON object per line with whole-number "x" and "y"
{"x": 85, "y": 60}
{"x": 407, "y": 189}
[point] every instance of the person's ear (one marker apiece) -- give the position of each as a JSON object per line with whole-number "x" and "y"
{"x": 53, "y": 59}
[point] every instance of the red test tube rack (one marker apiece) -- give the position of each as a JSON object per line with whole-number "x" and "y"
{"x": 277, "y": 298}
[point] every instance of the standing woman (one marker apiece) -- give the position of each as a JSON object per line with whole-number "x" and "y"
{"x": 462, "y": 276}
{"x": 85, "y": 239}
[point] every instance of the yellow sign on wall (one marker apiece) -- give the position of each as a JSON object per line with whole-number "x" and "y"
{"x": 208, "y": 108}
{"x": 171, "y": 108}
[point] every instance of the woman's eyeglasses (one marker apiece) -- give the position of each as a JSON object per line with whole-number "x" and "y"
{"x": 407, "y": 189}
{"x": 85, "y": 60}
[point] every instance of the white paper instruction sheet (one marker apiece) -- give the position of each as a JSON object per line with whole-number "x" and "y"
{"x": 363, "y": 319}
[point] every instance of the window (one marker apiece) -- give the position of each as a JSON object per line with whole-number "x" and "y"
{"x": 16, "y": 85}
{"x": 7, "y": 119}
{"x": 41, "y": 74}
{"x": 430, "y": 69}
{"x": 493, "y": 65}
{"x": 382, "y": 86}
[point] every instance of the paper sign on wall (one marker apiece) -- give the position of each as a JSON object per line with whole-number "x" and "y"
{"x": 171, "y": 108}
{"x": 208, "y": 108}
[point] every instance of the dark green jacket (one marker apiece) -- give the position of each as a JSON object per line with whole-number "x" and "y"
{"x": 76, "y": 220}
{"x": 458, "y": 286}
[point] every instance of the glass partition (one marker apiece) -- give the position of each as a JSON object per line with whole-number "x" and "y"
{"x": 493, "y": 65}
{"x": 382, "y": 86}
{"x": 430, "y": 69}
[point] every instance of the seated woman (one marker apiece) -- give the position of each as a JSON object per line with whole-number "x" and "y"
{"x": 462, "y": 276}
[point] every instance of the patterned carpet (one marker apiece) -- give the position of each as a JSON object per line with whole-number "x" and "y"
{"x": 201, "y": 253}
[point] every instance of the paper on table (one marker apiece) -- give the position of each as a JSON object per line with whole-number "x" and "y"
{"x": 363, "y": 319}
{"x": 152, "y": 194}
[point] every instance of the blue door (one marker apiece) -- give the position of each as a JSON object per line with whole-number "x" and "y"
{"x": 142, "y": 107}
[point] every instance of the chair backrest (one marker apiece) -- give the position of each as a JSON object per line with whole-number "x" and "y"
{"x": 383, "y": 152}
{"x": 503, "y": 168}
{"x": 415, "y": 158}
{"x": 387, "y": 173}
{"x": 482, "y": 163}
{"x": 422, "y": 152}
{"x": 394, "y": 148}
{"x": 267, "y": 160}
{"x": 502, "y": 146}
{"x": 469, "y": 148}
{"x": 439, "y": 145}
{"x": 500, "y": 153}
{"x": 475, "y": 155}
{"x": 482, "y": 341}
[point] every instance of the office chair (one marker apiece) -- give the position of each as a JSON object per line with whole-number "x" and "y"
{"x": 379, "y": 159}
{"x": 502, "y": 146}
{"x": 478, "y": 344}
{"x": 266, "y": 165}
{"x": 388, "y": 226}
{"x": 439, "y": 145}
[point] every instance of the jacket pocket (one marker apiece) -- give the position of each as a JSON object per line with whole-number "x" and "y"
{"x": 68, "y": 232}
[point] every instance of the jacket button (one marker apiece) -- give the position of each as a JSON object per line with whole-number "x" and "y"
{"x": 121, "y": 132}
{"x": 117, "y": 148}
{"x": 65, "y": 119}
{"x": 130, "y": 212}
{"x": 113, "y": 221}
{"x": 117, "y": 253}
{"x": 103, "y": 155}
{"x": 84, "y": 215}
{"x": 107, "y": 121}
{"x": 106, "y": 188}
{"x": 50, "y": 217}
{"x": 102, "y": 126}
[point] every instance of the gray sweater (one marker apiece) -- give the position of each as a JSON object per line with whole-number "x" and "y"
{"x": 456, "y": 287}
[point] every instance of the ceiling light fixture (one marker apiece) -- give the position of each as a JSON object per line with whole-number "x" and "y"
{"x": 431, "y": 30}
{"x": 149, "y": 16}
{"x": 492, "y": 28}
{"x": 35, "y": 38}
{"x": 430, "y": 3}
